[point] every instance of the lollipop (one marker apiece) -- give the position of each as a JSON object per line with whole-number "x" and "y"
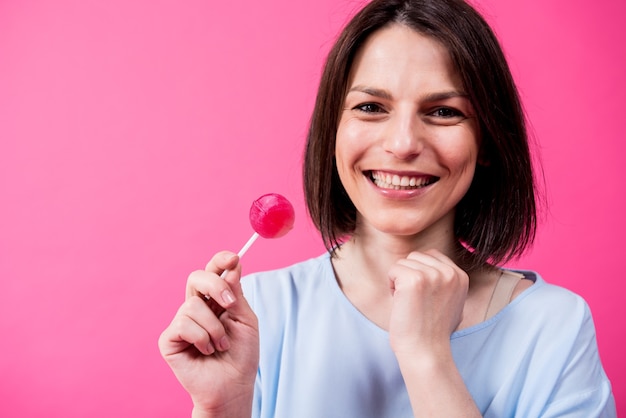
{"x": 271, "y": 216}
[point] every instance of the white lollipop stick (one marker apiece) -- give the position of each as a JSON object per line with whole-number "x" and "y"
{"x": 243, "y": 250}
{"x": 248, "y": 244}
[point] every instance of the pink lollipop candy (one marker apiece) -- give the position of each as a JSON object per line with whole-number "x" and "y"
{"x": 271, "y": 216}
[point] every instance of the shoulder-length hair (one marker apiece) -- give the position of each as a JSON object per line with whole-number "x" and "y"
{"x": 496, "y": 219}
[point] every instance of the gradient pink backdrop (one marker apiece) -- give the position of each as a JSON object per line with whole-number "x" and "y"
{"x": 135, "y": 134}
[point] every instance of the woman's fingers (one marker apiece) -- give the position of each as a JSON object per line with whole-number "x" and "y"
{"x": 182, "y": 333}
{"x": 206, "y": 283}
{"x": 198, "y": 311}
{"x": 209, "y": 283}
{"x": 224, "y": 260}
{"x": 430, "y": 265}
{"x": 194, "y": 324}
{"x": 432, "y": 258}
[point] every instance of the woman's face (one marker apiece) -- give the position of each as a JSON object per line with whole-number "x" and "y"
{"x": 407, "y": 140}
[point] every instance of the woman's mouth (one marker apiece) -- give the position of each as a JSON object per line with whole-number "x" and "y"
{"x": 391, "y": 181}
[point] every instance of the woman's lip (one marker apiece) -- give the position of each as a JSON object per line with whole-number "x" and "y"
{"x": 395, "y": 180}
{"x": 383, "y": 182}
{"x": 401, "y": 194}
{"x": 399, "y": 172}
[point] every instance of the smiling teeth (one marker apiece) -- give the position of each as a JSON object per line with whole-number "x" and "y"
{"x": 393, "y": 181}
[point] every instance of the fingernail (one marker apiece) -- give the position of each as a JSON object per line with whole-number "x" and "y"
{"x": 224, "y": 343}
{"x": 228, "y": 297}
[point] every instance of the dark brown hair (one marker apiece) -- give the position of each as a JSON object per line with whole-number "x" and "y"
{"x": 496, "y": 219}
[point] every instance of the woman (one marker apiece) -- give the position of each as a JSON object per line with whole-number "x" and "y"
{"x": 418, "y": 176}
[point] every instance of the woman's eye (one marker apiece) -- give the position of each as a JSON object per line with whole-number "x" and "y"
{"x": 369, "y": 108}
{"x": 446, "y": 112}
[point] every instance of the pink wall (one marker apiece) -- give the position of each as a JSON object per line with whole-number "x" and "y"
{"x": 134, "y": 136}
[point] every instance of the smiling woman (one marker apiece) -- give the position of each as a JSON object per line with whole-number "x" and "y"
{"x": 418, "y": 175}
{"x": 405, "y": 120}
{"x": 502, "y": 196}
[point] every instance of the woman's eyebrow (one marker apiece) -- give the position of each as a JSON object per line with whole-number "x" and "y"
{"x": 444, "y": 95}
{"x": 372, "y": 91}
{"x": 430, "y": 97}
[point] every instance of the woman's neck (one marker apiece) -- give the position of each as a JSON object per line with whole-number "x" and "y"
{"x": 362, "y": 264}
{"x": 370, "y": 253}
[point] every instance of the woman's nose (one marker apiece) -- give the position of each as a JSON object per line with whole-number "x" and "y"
{"x": 403, "y": 136}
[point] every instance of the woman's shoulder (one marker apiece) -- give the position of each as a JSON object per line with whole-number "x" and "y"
{"x": 550, "y": 297}
{"x": 541, "y": 307}
{"x": 547, "y": 306}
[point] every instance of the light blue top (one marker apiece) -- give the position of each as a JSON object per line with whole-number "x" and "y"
{"x": 321, "y": 358}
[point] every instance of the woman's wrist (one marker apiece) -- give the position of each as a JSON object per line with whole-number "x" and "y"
{"x": 243, "y": 412}
{"x": 239, "y": 407}
{"x": 435, "y": 385}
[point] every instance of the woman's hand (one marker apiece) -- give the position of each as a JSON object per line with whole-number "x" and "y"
{"x": 212, "y": 345}
{"x": 429, "y": 293}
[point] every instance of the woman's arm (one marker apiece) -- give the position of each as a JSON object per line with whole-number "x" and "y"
{"x": 429, "y": 293}
{"x": 435, "y": 386}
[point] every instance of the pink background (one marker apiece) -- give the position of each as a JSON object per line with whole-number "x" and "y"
{"x": 135, "y": 134}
